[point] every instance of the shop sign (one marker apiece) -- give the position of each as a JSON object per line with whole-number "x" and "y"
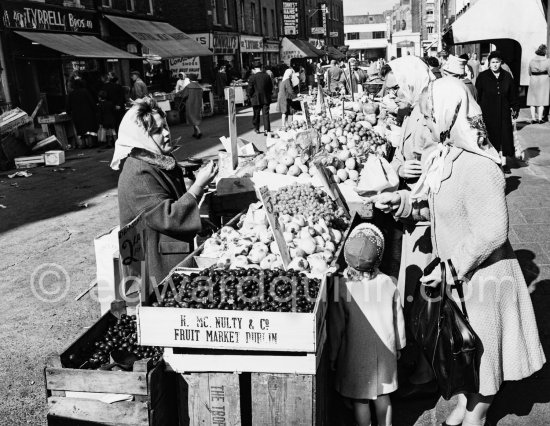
{"x": 202, "y": 38}
{"x": 271, "y": 47}
{"x": 186, "y": 65}
{"x": 334, "y": 34}
{"x": 224, "y": 44}
{"x": 252, "y": 44}
{"x": 41, "y": 17}
{"x": 318, "y": 30}
{"x": 324, "y": 12}
{"x": 290, "y": 17}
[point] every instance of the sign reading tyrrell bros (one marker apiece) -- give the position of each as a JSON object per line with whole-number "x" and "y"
{"x": 47, "y": 18}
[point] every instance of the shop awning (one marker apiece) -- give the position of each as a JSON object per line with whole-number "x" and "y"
{"x": 160, "y": 38}
{"x": 294, "y": 48}
{"x": 522, "y": 21}
{"x": 79, "y": 46}
{"x": 334, "y": 53}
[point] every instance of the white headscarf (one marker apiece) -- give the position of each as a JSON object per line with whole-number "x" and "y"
{"x": 288, "y": 74}
{"x": 412, "y": 75}
{"x": 132, "y": 135}
{"x": 458, "y": 123}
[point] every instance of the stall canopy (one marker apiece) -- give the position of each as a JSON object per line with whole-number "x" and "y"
{"x": 160, "y": 38}
{"x": 78, "y": 46}
{"x": 334, "y": 53}
{"x": 522, "y": 21}
{"x": 295, "y": 48}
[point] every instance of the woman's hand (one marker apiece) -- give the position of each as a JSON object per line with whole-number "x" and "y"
{"x": 387, "y": 201}
{"x": 206, "y": 174}
{"x": 433, "y": 279}
{"x": 410, "y": 169}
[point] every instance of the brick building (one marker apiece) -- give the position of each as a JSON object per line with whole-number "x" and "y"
{"x": 430, "y": 27}
{"x": 367, "y": 35}
{"x": 405, "y": 24}
{"x": 329, "y": 15}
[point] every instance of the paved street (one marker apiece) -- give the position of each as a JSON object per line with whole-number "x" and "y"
{"x": 53, "y": 216}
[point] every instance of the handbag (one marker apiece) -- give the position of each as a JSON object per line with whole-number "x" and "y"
{"x": 446, "y": 337}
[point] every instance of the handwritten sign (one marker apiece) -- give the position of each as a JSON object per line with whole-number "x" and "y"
{"x": 133, "y": 257}
{"x": 42, "y": 17}
{"x": 232, "y": 115}
{"x": 273, "y": 218}
{"x": 186, "y": 65}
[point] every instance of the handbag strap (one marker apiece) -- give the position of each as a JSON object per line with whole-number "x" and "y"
{"x": 458, "y": 285}
{"x": 443, "y": 294}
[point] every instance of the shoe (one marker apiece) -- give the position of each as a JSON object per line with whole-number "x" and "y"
{"x": 533, "y": 121}
{"x": 506, "y": 170}
{"x": 413, "y": 391}
{"x": 257, "y": 131}
{"x": 446, "y": 424}
{"x": 194, "y": 135}
{"x": 199, "y": 136}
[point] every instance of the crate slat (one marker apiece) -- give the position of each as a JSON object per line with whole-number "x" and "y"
{"x": 209, "y": 399}
{"x": 122, "y": 413}
{"x": 96, "y": 381}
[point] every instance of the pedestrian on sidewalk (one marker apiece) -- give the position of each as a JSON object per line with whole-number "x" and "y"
{"x": 285, "y": 97}
{"x": 497, "y": 94}
{"x": 139, "y": 88}
{"x": 260, "y": 88}
{"x": 538, "y": 95}
{"x": 107, "y": 117}
{"x": 152, "y": 185}
{"x": 115, "y": 94}
{"x": 82, "y": 108}
{"x": 192, "y": 96}
{"x": 476, "y": 67}
{"x": 366, "y": 328}
{"x": 467, "y": 208}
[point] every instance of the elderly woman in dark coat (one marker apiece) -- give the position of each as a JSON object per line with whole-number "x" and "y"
{"x": 151, "y": 184}
{"x": 497, "y": 94}
{"x": 192, "y": 96}
{"x": 82, "y": 107}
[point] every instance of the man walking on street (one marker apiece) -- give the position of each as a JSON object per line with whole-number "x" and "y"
{"x": 260, "y": 90}
{"x": 139, "y": 88}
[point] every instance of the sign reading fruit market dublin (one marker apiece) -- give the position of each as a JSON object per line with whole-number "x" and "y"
{"x": 48, "y": 18}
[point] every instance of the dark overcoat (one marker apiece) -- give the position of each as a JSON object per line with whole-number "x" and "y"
{"x": 497, "y": 97}
{"x": 153, "y": 184}
{"x": 260, "y": 89}
{"x": 82, "y": 108}
{"x": 192, "y": 96}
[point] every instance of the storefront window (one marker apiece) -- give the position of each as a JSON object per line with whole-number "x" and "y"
{"x": 264, "y": 16}
{"x": 243, "y": 22}
{"x": 215, "y": 12}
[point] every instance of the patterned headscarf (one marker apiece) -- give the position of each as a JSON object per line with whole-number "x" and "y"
{"x": 364, "y": 248}
{"x": 412, "y": 75}
{"x": 457, "y": 122}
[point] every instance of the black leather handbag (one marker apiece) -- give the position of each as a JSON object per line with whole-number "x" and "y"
{"x": 446, "y": 337}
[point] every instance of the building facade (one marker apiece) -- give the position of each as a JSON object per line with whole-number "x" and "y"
{"x": 367, "y": 35}
{"x": 405, "y": 24}
{"x": 430, "y": 27}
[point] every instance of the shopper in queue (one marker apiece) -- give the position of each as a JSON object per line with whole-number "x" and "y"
{"x": 260, "y": 90}
{"x": 151, "y": 184}
{"x": 139, "y": 88}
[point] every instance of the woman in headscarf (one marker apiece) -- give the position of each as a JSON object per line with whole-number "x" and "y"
{"x": 469, "y": 218}
{"x": 285, "y": 96}
{"x": 151, "y": 184}
{"x": 408, "y": 77}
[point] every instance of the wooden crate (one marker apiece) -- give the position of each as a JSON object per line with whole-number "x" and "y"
{"x": 151, "y": 387}
{"x": 239, "y": 330}
{"x": 213, "y": 399}
{"x": 209, "y": 399}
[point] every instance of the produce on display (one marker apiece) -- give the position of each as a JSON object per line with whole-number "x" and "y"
{"x": 243, "y": 290}
{"x": 120, "y": 336}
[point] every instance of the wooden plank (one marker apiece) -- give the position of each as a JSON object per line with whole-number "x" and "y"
{"x": 124, "y": 413}
{"x": 221, "y": 329}
{"x": 273, "y": 218}
{"x": 68, "y": 379}
{"x": 239, "y": 362}
{"x": 283, "y": 399}
{"x": 209, "y": 399}
{"x": 232, "y": 116}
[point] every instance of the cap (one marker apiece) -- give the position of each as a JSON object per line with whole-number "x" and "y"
{"x": 455, "y": 65}
{"x": 364, "y": 248}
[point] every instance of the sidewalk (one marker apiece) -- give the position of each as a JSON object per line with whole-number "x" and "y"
{"x": 528, "y": 193}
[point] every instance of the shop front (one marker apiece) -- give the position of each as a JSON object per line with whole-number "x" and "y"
{"x": 252, "y": 49}
{"x": 46, "y": 46}
{"x": 297, "y": 49}
{"x": 271, "y": 53}
{"x": 225, "y": 50}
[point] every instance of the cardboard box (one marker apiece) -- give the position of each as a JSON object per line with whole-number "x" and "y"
{"x": 54, "y": 158}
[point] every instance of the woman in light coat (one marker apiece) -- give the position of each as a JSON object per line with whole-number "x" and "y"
{"x": 286, "y": 94}
{"x": 539, "y": 84}
{"x": 469, "y": 218}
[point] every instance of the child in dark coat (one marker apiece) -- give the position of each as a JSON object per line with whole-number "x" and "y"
{"x": 107, "y": 117}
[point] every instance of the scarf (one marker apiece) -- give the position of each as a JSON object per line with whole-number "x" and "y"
{"x": 131, "y": 135}
{"x": 412, "y": 75}
{"x": 458, "y": 123}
